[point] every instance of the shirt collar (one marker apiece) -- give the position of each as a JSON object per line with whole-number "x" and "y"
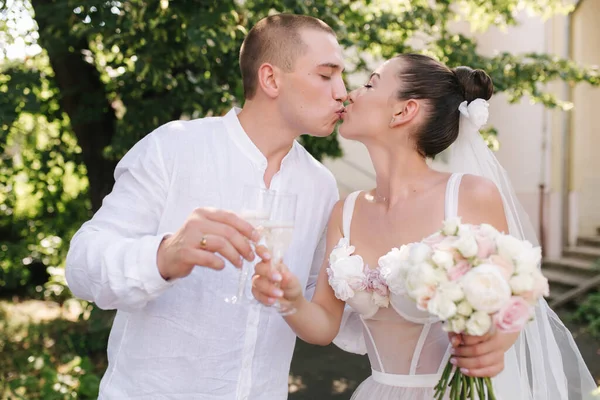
{"x": 242, "y": 140}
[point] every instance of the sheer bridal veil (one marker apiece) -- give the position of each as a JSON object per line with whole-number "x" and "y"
{"x": 545, "y": 360}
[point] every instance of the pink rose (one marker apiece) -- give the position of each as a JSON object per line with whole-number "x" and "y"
{"x": 514, "y": 315}
{"x": 506, "y": 267}
{"x": 458, "y": 270}
{"x": 486, "y": 246}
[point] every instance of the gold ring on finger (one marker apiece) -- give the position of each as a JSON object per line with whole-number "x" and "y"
{"x": 203, "y": 242}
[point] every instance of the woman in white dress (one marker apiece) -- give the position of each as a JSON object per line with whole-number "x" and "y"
{"x": 406, "y": 113}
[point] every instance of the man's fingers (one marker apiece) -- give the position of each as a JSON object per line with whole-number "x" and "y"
{"x": 207, "y": 229}
{"x": 231, "y": 219}
{"x": 202, "y": 258}
{"x": 218, "y": 244}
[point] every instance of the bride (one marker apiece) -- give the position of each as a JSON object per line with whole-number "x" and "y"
{"x": 410, "y": 110}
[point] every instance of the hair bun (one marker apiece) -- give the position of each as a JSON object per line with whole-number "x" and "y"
{"x": 476, "y": 83}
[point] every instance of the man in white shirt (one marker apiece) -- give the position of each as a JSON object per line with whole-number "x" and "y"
{"x": 161, "y": 249}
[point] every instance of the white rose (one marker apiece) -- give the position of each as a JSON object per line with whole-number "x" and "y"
{"x": 509, "y": 247}
{"x": 489, "y": 231}
{"x": 521, "y": 283}
{"x": 362, "y": 303}
{"x": 464, "y": 309}
{"x": 341, "y": 250}
{"x": 485, "y": 288}
{"x": 395, "y": 279}
{"x": 443, "y": 259}
{"x": 479, "y": 323}
{"x": 466, "y": 243}
{"x": 395, "y": 258}
{"x": 450, "y": 227}
{"x": 528, "y": 260}
{"x": 451, "y": 291}
{"x": 419, "y": 252}
{"x": 379, "y": 300}
{"x": 393, "y": 268}
{"x": 419, "y": 279}
{"x": 441, "y": 276}
{"x": 441, "y": 307}
{"x": 341, "y": 288}
{"x": 346, "y": 273}
{"x": 457, "y": 324}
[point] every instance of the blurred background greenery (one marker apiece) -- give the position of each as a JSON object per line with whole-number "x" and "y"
{"x": 82, "y": 80}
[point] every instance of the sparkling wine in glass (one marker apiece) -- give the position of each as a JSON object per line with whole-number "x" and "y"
{"x": 256, "y": 208}
{"x": 278, "y": 233}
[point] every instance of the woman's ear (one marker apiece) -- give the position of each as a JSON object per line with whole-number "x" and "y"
{"x": 404, "y": 112}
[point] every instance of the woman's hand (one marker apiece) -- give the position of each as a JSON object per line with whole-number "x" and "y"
{"x": 481, "y": 356}
{"x": 270, "y": 284}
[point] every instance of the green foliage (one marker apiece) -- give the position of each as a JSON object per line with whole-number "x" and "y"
{"x": 588, "y": 314}
{"x": 56, "y": 356}
{"x": 107, "y": 73}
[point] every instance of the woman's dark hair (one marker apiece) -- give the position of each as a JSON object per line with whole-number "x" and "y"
{"x": 444, "y": 89}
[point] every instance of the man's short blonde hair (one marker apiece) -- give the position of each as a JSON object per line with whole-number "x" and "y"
{"x": 275, "y": 40}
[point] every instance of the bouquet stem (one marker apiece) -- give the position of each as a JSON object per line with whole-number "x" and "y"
{"x": 463, "y": 387}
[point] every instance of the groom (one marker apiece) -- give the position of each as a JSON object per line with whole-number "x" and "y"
{"x": 161, "y": 249}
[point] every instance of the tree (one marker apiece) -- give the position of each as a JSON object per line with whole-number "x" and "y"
{"x": 112, "y": 71}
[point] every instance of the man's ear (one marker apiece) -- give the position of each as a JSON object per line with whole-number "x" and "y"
{"x": 268, "y": 80}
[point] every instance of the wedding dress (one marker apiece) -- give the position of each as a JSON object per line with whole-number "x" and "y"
{"x": 407, "y": 348}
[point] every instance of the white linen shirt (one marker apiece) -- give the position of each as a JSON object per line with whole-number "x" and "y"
{"x": 180, "y": 339}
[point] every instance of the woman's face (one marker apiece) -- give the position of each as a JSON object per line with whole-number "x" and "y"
{"x": 373, "y": 105}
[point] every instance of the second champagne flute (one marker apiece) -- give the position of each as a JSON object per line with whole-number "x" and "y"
{"x": 256, "y": 209}
{"x": 278, "y": 233}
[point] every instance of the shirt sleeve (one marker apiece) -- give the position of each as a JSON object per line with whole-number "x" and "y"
{"x": 112, "y": 257}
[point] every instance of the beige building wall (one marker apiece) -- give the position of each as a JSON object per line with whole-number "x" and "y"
{"x": 585, "y": 122}
{"x": 532, "y": 137}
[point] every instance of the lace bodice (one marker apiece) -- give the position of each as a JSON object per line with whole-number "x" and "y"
{"x": 398, "y": 337}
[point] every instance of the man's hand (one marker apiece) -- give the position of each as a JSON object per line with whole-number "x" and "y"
{"x": 206, "y": 232}
{"x": 481, "y": 356}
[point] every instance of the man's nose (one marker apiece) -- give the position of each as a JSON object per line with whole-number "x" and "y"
{"x": 343, "y": 98}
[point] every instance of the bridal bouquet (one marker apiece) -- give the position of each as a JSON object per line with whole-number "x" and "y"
{"x": 473, "y": 278}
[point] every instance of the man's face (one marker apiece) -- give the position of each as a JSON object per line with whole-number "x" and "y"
{"x": 312, "y": 94}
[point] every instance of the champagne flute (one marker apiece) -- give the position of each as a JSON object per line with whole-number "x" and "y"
{"x": 256, "y": 209}
{"x": 278, "y": 233}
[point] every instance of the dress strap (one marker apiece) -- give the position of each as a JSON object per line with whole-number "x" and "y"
{"x": 347, "y": 213}
{"x": 451, "y": 202}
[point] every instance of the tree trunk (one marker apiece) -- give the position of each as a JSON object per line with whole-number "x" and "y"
{"x": 82, "y": 93}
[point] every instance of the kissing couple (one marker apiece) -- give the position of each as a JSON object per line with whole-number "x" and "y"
{"x": 165, "y": 247}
